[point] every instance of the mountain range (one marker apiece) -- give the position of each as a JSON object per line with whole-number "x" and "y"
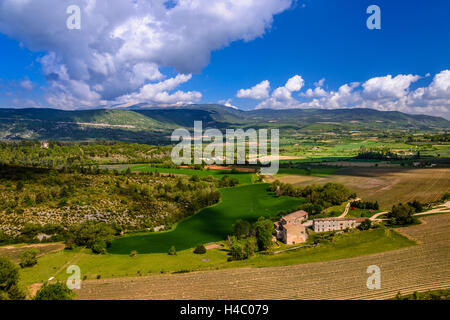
{"x": 145, "y": 124}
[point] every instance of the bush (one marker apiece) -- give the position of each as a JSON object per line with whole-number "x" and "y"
{"x": 99, "y": 247}
{"x": 401, "y": 214}
{"x": 9, "y": 280}
{"x": 365, "y": 225}
{"x": 200, "y": 249}
{"x": 172, "y": 251}
{"x": 133, "y": 253}
{"x": 56, "y": 291}
{"x": 29, "y": 258}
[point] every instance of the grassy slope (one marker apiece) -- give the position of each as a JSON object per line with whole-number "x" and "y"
{"x": 113, "y": 265}
{"x": 210, "y": 224}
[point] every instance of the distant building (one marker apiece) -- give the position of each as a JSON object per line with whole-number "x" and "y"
{"x": 290, "y": 228}
{"x": 297, "y": 217}
{"x": 45, "y": 145}
{"x": 334, "y": 224}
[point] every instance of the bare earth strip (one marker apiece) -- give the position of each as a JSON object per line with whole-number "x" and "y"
{"x": 418, "y": 268}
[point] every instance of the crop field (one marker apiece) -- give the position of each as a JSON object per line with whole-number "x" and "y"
{"x": 211, "y": 224}
{"x": 415, "y": 268}
{"x": 387, "y": 186}
{"x": 243, "y": 177}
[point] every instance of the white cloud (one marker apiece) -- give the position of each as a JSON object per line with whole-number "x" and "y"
{"x": 228, "y": 103}
{"x": 27, "y": 84}
{"x": 258, "y": 92}
{"x": 123, "y": 44}
{"x": 386, "y": 93}
{"x": 388, "y": 87}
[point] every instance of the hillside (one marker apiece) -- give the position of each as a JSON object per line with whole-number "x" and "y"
{"x": 154, "y": 125}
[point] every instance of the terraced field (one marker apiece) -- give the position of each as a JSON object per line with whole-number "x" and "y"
{"x": 416, "y": 268}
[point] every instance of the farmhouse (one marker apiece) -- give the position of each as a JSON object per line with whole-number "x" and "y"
{"x": 290, "y": 228}
{"x": 333, "y": 224}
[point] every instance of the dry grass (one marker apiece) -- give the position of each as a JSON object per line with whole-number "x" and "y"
{"x": 14, "y": 252}
{"x": 417, "y": 268}
{"x": 387, "y": 186}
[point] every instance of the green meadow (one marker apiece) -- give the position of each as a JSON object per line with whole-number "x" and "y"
{"x": 211, "y": 224}
{"x": 243, "y": 177}
{"x": 356, "y": 243}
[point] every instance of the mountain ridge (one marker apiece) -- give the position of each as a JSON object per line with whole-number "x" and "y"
{"x": 154, "y": 125}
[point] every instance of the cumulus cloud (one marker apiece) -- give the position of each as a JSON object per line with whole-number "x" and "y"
{"x": 122, "y": 44}
{"x": 258, "y": 92}
{"x": 282, "y": 96}
{"x": 388, "y": 87}
{"x": 387, "y": 93}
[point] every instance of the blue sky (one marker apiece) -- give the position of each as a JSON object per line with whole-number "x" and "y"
{"x": 314, "y": 39}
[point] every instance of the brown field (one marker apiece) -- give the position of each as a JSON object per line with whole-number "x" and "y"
{"x": 418, "y": 268}
{"x": 387, "y": 186}
{"x": 14, "y": 252}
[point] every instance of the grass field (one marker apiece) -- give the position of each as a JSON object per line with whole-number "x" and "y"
{"x": 118, "y": 265}
{"x": 410, "y": 268}
{"x": 243, "y": 177}
{"x": 211, "y": 224}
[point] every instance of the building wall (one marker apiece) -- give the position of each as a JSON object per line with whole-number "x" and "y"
{"x": 333, "y": 225}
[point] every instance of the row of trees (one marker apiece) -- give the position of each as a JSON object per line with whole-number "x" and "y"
{"x": 365, "y": 205}
{"x": 317, "y": 197}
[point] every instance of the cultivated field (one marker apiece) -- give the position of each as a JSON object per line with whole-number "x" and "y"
{"x": 387, "y": 186}
{"x": 416, "y": 268}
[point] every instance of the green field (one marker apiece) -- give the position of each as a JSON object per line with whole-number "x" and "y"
{"x": 350, "y": 245}
{"x": 243, "y": 177}
{"x": 211, "y": 224}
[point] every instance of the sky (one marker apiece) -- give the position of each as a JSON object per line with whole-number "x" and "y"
{"x": 245, "y": 54}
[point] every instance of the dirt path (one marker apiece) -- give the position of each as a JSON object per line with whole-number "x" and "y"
{"x": 417, "y": 268}
{"x": 445, "y": 209}
{"x": 347, "y": 207}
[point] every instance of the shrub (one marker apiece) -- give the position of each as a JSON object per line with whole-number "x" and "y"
{"x": 133, "y": 253}
{"x": 29, "y": 258}
{"x": 365, "y": 225}
{"x": 9, "y": 280}
{"x": 200, "y": 249}
{"x": 56, "y": 291}
{"x": 172, "y": 251}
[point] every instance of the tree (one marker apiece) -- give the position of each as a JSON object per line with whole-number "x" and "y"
{"x": 241, "y": 229}
{"x": 365, "y": 225}
{"x": 55, "y": 291}
{"x": 9, "y": 280}
{"x": 29, "y": 258}
{"x": 263, "y": 231}
{"x": 402, "y": 214}
{"x": 200, "y": 249}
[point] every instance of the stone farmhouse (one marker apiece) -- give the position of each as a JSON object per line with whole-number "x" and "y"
{"x": 334, "y": 224}
{"x": 290, "y": 229}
